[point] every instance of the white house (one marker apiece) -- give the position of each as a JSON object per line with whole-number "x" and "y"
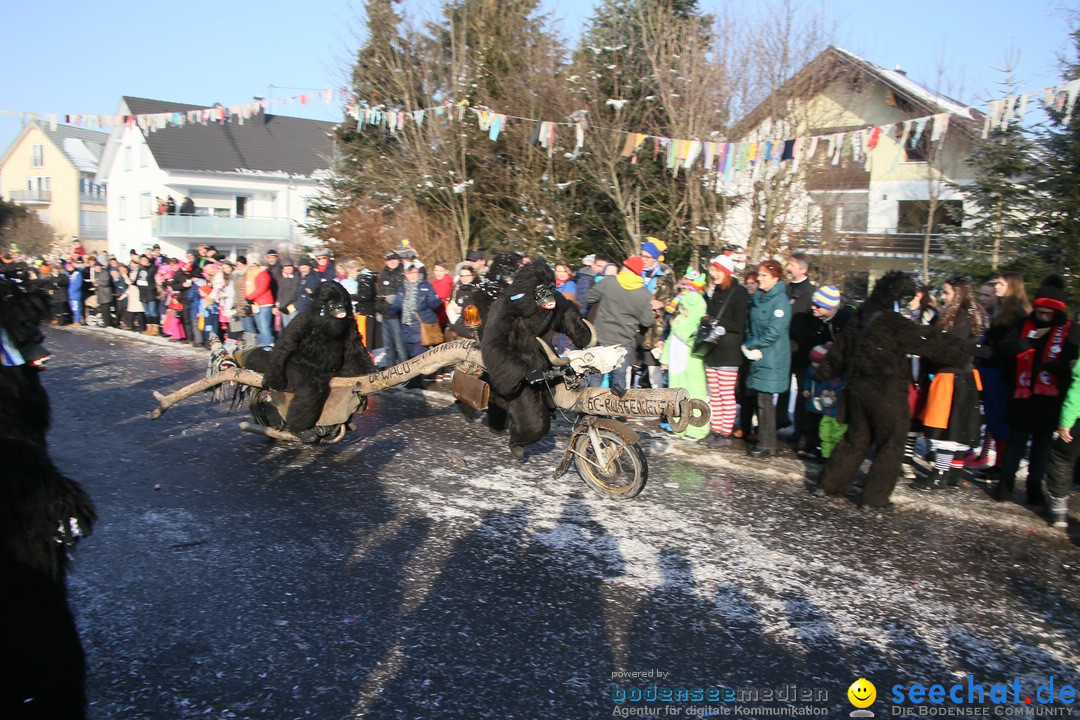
{"x": 878, "y": 150}
{"x": 250, "y": 179}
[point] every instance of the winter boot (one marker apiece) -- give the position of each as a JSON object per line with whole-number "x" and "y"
{"x": 953, "y": 477}
{"x": 1059, "y": 511}
{"x": 152, "y": 329}
{"x": 1004, "y": 492}
{"x": 933, "y": 481}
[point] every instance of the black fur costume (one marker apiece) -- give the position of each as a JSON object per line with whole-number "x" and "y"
{"x": 511, "y": 353}
{"x": 871, "y": 357}
{"x": 322, "y": 342}
{"x": 42, "y": 514}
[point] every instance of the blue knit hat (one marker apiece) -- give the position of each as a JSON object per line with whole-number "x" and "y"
{"x": 827, "y": 297}
{"x": 654, "y": 247}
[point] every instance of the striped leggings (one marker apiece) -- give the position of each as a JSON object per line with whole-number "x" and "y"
{"x": 722, "y": 403}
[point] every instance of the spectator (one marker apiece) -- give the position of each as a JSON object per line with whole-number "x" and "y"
{"x": 170, "y": 205}
{"x": 729, "y": 305}
{"x": 1063, "y": 454}
{"x": 951, "y": 417}
{"x": 132, "y": 298}
{"x": 309, "y": 282}
{"x": 800, "y": 291}
{"x": 466, "y": 276}
{"x": 478, "y": 260}
{"x": 285, "y": 302}
{"x": 415, "y": 303}
{"x": 747, "y": 400}
{"x": 324, "y": 266}
{"x": 823, "y": 399}
{"x": 146, "y": 280}
{"x": 162, "y": 208}
{"x": 660, "y": 281}
{"x": 119, "y": 285}
{"x": 1011, "y": 307}
{"x": 768, "y": 347}
{"x": 686, "y": 369}
{"x": 187, "y": 207}
{"x": 390, "y": 279}
{"x": 443, "y": 284}
{"x": 258, "y": 293}
{"x": 624, "y": 309}
{"x": 75, "y": 292}
{"x": 364, "y": 300}
{"x": 829, "y": 316}
{"x": 583, "y": 280}
{"x": 106, "y": 293}
{"x": 1041, "y": 356}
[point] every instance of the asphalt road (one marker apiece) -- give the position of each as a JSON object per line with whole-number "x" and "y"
{"x": 415, "y": 570}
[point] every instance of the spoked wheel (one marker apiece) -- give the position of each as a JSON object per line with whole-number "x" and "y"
{"x": 264, "y": 413}
{"x": 609, "y": 464}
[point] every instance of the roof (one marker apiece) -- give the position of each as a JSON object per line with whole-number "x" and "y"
{"x": 263, "y": 143}
{"x": 833, "y": 62}
{"x": 82, "y": 147}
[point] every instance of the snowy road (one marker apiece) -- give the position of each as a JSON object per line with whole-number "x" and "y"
{"x": 416, "y": 571}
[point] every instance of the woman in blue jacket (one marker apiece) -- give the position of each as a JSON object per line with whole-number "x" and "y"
{"x": 416, "y": 302}
{"x": 769, "y": 350}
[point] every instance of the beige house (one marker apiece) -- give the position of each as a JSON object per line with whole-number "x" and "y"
{"x": 879, "y": 158}
{"x": 51, "y": 171}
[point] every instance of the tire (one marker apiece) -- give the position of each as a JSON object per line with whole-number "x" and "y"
{"x": 264, "y": 413}
{"x": 628, "y": 472}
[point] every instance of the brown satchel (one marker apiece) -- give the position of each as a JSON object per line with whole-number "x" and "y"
{"x": 430, "y": 333}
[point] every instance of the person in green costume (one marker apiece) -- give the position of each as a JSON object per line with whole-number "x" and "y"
{"x": 685, "y": 369}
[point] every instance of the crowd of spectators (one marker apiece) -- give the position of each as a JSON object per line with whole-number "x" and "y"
{"x": 768, "y": 331}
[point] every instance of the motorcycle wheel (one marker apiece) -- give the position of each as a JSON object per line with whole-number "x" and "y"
{"x": 619, "y": 478}
{"x": 264, "y": 413}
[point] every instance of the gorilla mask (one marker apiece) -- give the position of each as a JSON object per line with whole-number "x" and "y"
{"x": 333, "y": 301}
{"x": 533, "y": 289}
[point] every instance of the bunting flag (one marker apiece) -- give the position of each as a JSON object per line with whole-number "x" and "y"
{"x": 726, "y": 159}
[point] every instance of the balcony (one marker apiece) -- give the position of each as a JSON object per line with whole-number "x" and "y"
{"x": 93, "y": 232}
{"x": 32, "y": 197}
{"x": 205, "y": 227}
{"x": 92, "y": 199}
{"x": 879, "y": 245}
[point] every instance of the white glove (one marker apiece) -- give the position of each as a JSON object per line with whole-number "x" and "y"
{"x": 751, "y": 354}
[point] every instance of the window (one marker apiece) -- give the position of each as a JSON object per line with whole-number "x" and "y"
{"x": 121, "y": 207}
{"x": 127, "y": 157}
{"x": 854, "y": 215}
{"x": 912, "y": 214}
{"x": 144, "y": 205}
{"x": 144, "y": 155}
{"x": 37, "y": 156}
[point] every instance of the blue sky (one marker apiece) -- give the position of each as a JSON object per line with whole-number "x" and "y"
{"x": 80, "y": 58}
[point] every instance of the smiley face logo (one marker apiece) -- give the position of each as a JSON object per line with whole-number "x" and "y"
{"x": 862, "y": 693}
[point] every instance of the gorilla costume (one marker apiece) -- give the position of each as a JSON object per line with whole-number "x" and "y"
{"x": 529, "y": 308}
{"x": 871, "y": 357}
{"x": 322, "y": 342}
{"x": 42, "y": 514}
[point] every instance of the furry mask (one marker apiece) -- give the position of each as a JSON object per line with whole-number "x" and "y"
{"x": 332, "y": 301}
{"x": 23, "y": 306}
{"x": 533, "y": 289}
{"x": 893, "y": 291}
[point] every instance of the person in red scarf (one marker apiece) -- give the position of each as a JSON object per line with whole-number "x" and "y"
{"x": 1038, "y": 359}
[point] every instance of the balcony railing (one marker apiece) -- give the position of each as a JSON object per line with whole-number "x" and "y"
{"x": 94, "y": 232}
{"x": 92, "y": 199}
{"x": 872, "y": 244}
{"x": 31, "y": 196}
{"x": 221, "y": 228}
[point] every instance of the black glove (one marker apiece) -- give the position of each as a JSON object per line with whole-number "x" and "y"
{"x": 536, "y": 376}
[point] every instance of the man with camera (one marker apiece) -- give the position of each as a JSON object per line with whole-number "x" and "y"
{"x": 728, "y": 304}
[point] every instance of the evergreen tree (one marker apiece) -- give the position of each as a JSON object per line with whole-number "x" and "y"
{"x": 999, "y": 204}
{"x": 1057, "y": 239}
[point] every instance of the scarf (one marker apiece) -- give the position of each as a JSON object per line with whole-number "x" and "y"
{"x": 630, "y": 280}
{"x": 408, "y": 305}
{"x": 1045, "y": 383}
